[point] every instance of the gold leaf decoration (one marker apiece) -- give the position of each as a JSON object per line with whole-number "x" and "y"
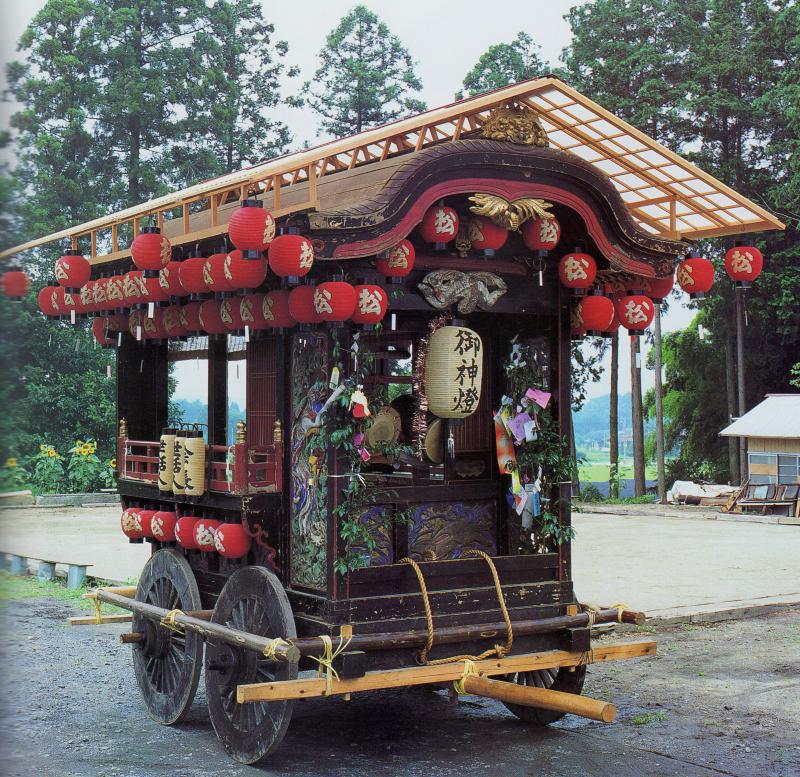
{"x": 515, "y": 125}
{"x": 509, "y": 214}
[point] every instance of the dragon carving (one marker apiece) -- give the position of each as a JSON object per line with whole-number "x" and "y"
{"x": 510, "y": 214}
{"x": 466, "y": 290}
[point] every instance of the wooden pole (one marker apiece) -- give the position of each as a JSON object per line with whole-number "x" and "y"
{"x": 740, "y": 380}
{"x": 234, "y": 637}
{"x": 636, "y": 420}
{"x": 660, "y": 466}
{"x": 730, "y": 390}
{"x": 613, "y": 422}
{"x": 529, "y": 696}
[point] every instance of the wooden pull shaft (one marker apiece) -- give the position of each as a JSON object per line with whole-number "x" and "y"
{"x": 530, "y": 696}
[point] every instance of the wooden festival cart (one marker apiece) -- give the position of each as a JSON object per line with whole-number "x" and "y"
{"x": 405, "y": 547}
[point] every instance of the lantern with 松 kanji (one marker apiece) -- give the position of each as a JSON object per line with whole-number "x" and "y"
{"x": 439, "y": 225}
{"x": 192, "y": 277}
{"x": 169, "y": 277}
{"x": 162, "y": 526}
{"x": 398, "y": 261}
{"x": 245, "y": 269}
{"x": 453, "y": 372}
{"x": 252, "y": 226}
{"x": 743, "y": 264}
{"x": 151, "y": 250}
{"x": 291, "y": 257}
{"x": 695, "y": 275}
{"x": 485, "y": 235}
{"x": 210, "y": 319}
{"x": 577, "y": 271}
{"x": 185, "y": 531}
{"x": 301, "y": 305}
{"x": 635, "y": 313}
{"x": 16, "y": 284}
{"x": 72, "y": 270}
{"x": 371, "y": 305}
{"x": 131, "y": 524}
{"x": 231, "y": 540}
{"x": 276, "y": 311}
{"x": 595, "y": 314}
{"x": 334, "y": 301}
{"x": 217, "y": 275}
{"x": 541, "y": 234}
{"x": 204, "y": 532}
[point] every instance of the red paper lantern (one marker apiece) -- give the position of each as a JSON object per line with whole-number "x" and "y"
{"x": 485, "y": 235}
{"x": 115, "y": 292}
{"x": 439, "y": 225}
{"x": 49, "y": 302}
{"x": 169, "y": 277}
{"x": 291, "y": 256}
{"x": 251, "y": 227}
{"x": 371, "y": 305}
{"x": 659, "y": 288}
{"x": 577, "y": 271}
{"x": 399, "y": 260}
{"x": 210, "y": 319}
{"x": 614, "y": 327}
{"x": 247, "y": 269}
{"x": 541, "y": 234}
{"x": 136, "y": 324}
{"x": 86, "y": 298}
{"x": 162, "y": 526}
{"x": 230, "y": 314}
{"x": 596, "y": 314}
{"x": 251, "y": 313}
{"x": 69, "y": 303}
{"x": 117, "y": 323}
{"x": 100, "y": 292}
{"x": 72, "y": 269}
{"x": 173, "y": 324}
{"x": 635, "y": 312}
{"x": 185, "y": 532}
{"x": 231, "y": 540}
{"x": 190, "y": 318}
{"x": 696, "y": 276}
{"x": 151, "y": 250}
{"x": 743, "y": 264}
{"x": 192, "y": 276}
{"x": 133, "y": 288}
{"x": 100, "y": 330}
{"x": 276, "y": 310}
{"x": 216, "y": 274}
{"x": 156, "y": 293}
{"x": 131, "y": 523}
{"x": 154, "y": 328}
{"x": 204, "y": 532}
{"x": 301, "y": 304}
{"x": 145, "y": 518}
{"x": 16, "y": 284}
{"x": 334, "y": 300}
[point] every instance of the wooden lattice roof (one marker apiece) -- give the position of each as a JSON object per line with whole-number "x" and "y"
{"x": 667, "y": 195}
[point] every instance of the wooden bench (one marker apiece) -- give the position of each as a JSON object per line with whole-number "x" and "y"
{"x": 18, "y": 565}
{"x": 771, "y": 496}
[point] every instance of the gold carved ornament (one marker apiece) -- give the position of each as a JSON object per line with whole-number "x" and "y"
{"x": 510, "y": 214}
{"x": 515, "y": 124}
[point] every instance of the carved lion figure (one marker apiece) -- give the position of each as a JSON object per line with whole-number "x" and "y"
{"x": 466, "y": 290}
{"x": 515, "y": 125}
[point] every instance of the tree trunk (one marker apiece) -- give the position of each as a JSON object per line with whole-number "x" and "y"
{"x": 613, "y": 422}
{"x": 662, "y": 476}
{"x": 636, "y": 421}
{"x": 730, "y": 389}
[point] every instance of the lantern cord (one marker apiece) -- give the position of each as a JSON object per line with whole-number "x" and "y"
{"x": 499, "y": 650}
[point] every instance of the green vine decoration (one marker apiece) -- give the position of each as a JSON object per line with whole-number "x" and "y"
{"x": 548, "y": 451}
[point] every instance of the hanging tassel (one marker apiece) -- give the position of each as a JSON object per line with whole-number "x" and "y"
{"x": 451, "y": 445}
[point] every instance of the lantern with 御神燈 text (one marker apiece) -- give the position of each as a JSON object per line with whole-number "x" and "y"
{"x": 635, "y": 312}
{"x": 72, "y": 270}
{"x": 453, "y": 372}
{"x": 743, "y": 264}
{"x": 541, "y": 234}
{"x": 695, "y": 275}
{"x": 291, "y": 257}
{"x": 371, "y": 305}
{"x": 251, "y": 227}
{"x": 577, "y": 271}
{"x": 151, "y": 250}
{"x": 334, "y": 301}
{"x": 398, "y": 261}
{"x": 439, "y": 225}
{"x": 485, "y": 235}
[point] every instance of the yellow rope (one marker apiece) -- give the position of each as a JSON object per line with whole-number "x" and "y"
{"x": 168, "y": 621}
{"x": 469, "y": 670}
{"x": 591, "y": 611}
{"x": 620, "y": 607}
{"x": 498, "y": 650}
{"x": 326, "y": 660}
{"x": 98, "y": 615}
{"x": 271, "y": 648}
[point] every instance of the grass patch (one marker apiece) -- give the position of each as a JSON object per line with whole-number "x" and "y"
{"x": 646, "y": 718}
{"x": 13, "y": 587}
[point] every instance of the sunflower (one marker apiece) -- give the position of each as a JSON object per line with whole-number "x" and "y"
{"x": 112, "y": 463}
{"x": 11, "y": 462}
{"x": 85, "y": 450}
{"x": 51, "y": 452}
{"x": 92, "y": 447}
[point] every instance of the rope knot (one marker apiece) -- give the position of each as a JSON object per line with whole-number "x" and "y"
{"x": 470, "y": 670}
{"x": 271, "y": 648}
{"x": 325, "y": 661}
{"x": 168, "y": 621}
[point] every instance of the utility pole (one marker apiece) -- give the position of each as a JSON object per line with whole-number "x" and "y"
{"x": 740, "y": 383}
{"x": 639, "y": 487}
{"x": 662, "y": 476}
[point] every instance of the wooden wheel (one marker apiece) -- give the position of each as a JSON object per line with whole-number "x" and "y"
{"x": 555, "y": 679}
{"x": 167, "y": 664}
{"x": 253, "y": 600}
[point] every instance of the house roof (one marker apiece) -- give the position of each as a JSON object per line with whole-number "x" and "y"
{"x": 667, "y": 195}
{"x": 778, "y": 415}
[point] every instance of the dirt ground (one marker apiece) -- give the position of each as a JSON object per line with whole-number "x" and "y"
{"x": 717, "y": 700}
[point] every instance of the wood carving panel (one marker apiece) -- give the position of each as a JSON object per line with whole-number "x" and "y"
{"x": 441, "y": 531}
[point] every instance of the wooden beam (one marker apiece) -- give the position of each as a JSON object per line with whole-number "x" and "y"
{"x": 424, "y": 675}
{"x": 91, "y": 620}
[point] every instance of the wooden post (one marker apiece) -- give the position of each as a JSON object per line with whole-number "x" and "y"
{"x": 636, "y": 420}
{"x": 730, "y": 390}
{"x": 662, "y": 477}
{"x": 740, "y": 380}
{"x": 613, "y": 422}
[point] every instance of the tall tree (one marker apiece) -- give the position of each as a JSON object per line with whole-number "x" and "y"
{"x": 503, "y": 64}
{"x": 365, "y": 78}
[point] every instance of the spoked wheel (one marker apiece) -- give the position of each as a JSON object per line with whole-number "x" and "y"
{"x": 253, "y": 600}
{"x": 167, "y": 664}
{"x": 555, "y": 679}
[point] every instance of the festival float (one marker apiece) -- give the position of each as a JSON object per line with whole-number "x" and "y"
{"x": 395, "y": 508}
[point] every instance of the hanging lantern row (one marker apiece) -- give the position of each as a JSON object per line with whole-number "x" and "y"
{"x": 598, "y": 315}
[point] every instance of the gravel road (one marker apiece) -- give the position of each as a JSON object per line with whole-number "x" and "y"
{"x": 717, "y": 700}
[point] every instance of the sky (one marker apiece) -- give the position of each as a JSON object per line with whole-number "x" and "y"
{"x": 444, "y": 37}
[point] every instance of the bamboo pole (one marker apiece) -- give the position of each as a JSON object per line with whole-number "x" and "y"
{"x": 529, "y": 696}
{"x": 282, "y": 652}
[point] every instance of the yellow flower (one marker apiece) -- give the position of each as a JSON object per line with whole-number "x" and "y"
{"x": 51, "y": 452}
{"x": 85, "y": 450}
{"x": 113, "y": 463}
{"x": 92, "y": 447}
{"x": 11, "y": 462}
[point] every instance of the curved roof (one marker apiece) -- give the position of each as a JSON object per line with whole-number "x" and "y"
{"x": 667, "y": 195}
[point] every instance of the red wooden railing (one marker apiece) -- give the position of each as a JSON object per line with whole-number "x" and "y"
{"x": 138, "y": 460}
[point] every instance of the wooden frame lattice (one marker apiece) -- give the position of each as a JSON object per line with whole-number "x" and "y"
{"x": 667, "y": 195}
